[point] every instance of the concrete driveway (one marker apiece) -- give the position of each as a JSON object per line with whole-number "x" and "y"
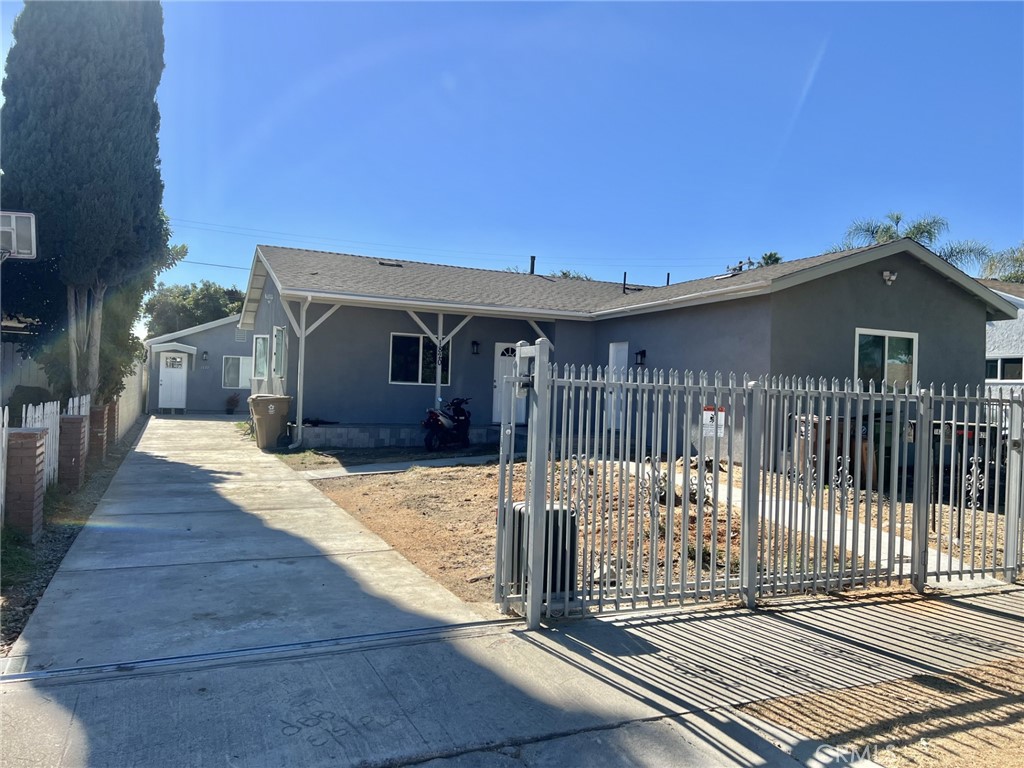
{"x": 219, "y": 611}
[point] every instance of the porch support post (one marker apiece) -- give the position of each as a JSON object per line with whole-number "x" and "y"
{"x": 438, "y": 346}
{"x": 536, "y": 477}
{"x": 922, "y": 491}
{"x": 1013, "y": 508}
{"x": 753, "y": 430}
{"x": 300, "y": 385}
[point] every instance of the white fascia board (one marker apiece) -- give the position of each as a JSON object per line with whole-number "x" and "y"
{"x": 386, "y": 302}
{"x": 254, "y": 292}
{"x": 190, "y": 331}
{"x": 173, "y": 347}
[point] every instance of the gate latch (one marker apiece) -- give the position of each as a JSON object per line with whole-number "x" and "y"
{"x": 1015, "y": 443}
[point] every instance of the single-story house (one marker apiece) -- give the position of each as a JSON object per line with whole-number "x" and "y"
{"x": 1004, "y": 341}
{"x": 353, "y": 339}
{"x": 198, "y": 369}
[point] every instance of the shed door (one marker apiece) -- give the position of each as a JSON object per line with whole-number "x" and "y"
{"x": 173, "y": 380}
{"x": 504, "y": 357}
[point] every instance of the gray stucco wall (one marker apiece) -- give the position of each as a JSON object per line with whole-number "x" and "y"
{"x": 205, "y": 392}
{"x": 348, "y": 361}
{"x": 1004, "y": 338}
{"x": 813, "y": 325}
{"x": 730, "y": 337}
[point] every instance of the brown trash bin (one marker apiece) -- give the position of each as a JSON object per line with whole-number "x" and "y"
{"x": 270, "y": 417}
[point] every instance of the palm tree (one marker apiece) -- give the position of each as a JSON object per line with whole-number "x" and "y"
{"x": 1006, "y": 265}
{"x": 926, "y": 230}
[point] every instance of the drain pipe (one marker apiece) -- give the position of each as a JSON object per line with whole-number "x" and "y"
{"x": 301, "y": 383}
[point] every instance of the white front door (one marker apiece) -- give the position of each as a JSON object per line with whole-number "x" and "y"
{"x": 504, "y": 358}
{"x": 173, "y": 380}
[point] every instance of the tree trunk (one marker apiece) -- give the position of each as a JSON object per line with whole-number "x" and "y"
{"x": 73, "y": 339}
{"x": 85, "y": 324}
{"x": 92, "y": 377}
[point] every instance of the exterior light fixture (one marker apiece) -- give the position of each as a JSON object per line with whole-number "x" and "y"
{"x": 475, "y": 346}
{"x": 641, "y": 357}
{"x": 889, "y": 277}
{"x": 206, "y": 356}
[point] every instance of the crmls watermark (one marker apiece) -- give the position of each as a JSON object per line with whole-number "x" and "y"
{"x": 847, "y": 754}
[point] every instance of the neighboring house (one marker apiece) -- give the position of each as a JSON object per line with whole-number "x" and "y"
{"x": 353, "y": 339}
{"x": 1004, "y": 341}
{"x": 198, "y": 368}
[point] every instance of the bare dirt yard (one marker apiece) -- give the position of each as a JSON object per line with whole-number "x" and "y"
{"x": 965, "y": 719}
{"x": 442, "y": 519}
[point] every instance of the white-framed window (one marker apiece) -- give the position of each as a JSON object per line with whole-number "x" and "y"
{"x": 236, "y": 372}
{"x": 260, "y": 356}
{"x": 1004, "y": 369}
{"x": 889, "y": 356}
{"x": 414, "y": 360}
{"x": 280, "y": 352}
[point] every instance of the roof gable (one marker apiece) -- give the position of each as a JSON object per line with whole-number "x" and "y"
{"x": 194, "y": 329}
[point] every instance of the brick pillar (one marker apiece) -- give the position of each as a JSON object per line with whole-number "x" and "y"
{"x": 74, "y": 438}
{"x": 112, "y": 423}
{"x": 26, "y": 481}
{"x": 98, "y": 433}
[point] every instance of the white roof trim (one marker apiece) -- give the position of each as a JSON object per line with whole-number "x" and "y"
{"x": 172, "y": 347}
{"x": 193, "y": 329}
{"x": 389, "y": 302}
{"x": 258, "y": 273}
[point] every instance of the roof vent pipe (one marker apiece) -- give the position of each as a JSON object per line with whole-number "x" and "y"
{"x": 533, "y": 264}
{"x": 668, "y": 278}
{"x": 623, "y": 282}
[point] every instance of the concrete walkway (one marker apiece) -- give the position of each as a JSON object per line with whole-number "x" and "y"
{"x": 219, "y": 611}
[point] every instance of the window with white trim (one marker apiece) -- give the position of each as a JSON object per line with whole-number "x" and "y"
{"x": 1004, "y": 369}
{"x": 236, "y": 372}
{"x": 260, "y": 356}
{"x": 889, "y": 356}
{"x": 280, "y": 352}
{"x": 414, "y": 360}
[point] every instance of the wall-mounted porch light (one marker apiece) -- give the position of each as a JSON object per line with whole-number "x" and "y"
{"x": 475, "y": 345}
{"x": 641, "y": 357}
{"x": 206, "y": 356}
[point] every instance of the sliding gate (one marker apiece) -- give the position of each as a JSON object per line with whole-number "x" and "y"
{"x": 646, "y": 490}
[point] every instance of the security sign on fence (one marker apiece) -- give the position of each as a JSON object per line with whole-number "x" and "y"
{"x": 650, "y": 490}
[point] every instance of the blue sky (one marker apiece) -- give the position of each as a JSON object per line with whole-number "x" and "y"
{"x": 601, "y": 137}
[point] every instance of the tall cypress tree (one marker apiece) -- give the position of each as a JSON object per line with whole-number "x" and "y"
{"x": 79, "y": 150}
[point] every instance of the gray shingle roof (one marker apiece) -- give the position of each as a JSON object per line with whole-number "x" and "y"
{"x": 1013, "y": 289}
{"x": 344, "y": 273}
{"x": 299, "y": 270}
{"x": 368, "y": 279}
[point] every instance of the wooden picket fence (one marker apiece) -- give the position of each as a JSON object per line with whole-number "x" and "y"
{"x": 45, "y": 415}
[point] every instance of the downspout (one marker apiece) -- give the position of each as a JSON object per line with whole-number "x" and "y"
{"x": 301, "y": 383}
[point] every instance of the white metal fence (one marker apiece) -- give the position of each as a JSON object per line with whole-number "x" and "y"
{"x": 45, "y": 415}
{"x": 655, "y": 489}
